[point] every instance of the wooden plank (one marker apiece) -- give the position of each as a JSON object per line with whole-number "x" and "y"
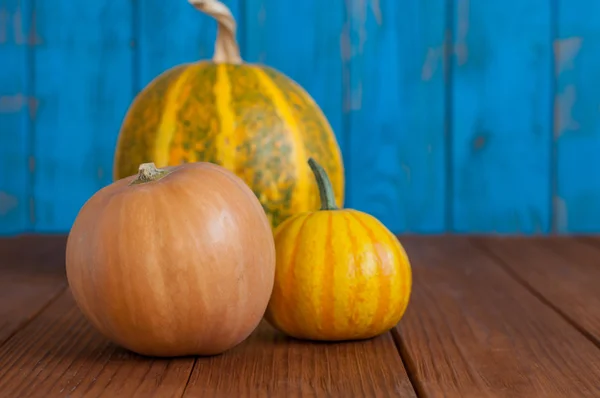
{"x": 501, "y": 116}
{"x": 577, "y": 107}
{"x": 396, "y": 157}
{"x": 83, "y": 79}
{"x": 592, "y": 239}
{"x": 563, "y": 271}
{"x": 471, "y": 330}
{"x": 32, "y": 275}
{"x": 269, "y": 364}
{"x": 59, "y": 354}
{"x": 172, "y": 33}
{"x": 16, "y": 41}
{"x": 302, "y": 40}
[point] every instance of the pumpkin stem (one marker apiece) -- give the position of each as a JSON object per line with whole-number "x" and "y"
{"x": 324, "y": 184}
{"x": 226, "y": 46}
{"x": 148, "y": 173}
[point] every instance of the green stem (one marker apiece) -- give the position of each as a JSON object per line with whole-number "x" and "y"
{"x": 324, "y": 184}
{"x": 148, "y": 173}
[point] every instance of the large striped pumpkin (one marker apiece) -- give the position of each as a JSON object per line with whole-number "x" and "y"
{"x": 340, "y": 274}
{"x": 248, "y": 118}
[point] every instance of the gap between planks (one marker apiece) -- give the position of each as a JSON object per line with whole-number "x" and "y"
{"x": 459, "y": 366}
{"x": 487, "y": 247}
{"x": 58, "y": 352}
{"x": 472, "y": 330}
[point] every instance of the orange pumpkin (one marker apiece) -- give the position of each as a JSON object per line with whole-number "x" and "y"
{"x": 174, "y": 261}
{"x": 340, "y": 275}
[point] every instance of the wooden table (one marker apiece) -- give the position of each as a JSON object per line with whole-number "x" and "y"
{"x": 489, "y": 317}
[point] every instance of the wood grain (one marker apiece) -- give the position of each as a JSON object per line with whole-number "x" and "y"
{"x": 31, "y": 276}
{"x": 563, "y": 271}
{"x": 305, "y": 40}
{"x": 576, "y": 122}
{"x": 83, "y": 81}
{"x": 59, "y": 354}
{"x": 16, "y": 101}
{"x": 501, "y": 116}
{"x": 269, "y": 364}
{"x": 396, "y": 157}
{"x": 489, "y": 317}
{"x": 471, "y": 330}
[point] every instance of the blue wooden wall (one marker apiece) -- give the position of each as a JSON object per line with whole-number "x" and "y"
{"x": 453, "y": 115}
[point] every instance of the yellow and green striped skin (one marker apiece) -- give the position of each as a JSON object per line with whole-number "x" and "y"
{"x": 248, "y": 118}
{"x": 340, "y": 275}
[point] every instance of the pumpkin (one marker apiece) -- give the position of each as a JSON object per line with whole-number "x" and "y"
{"x": 174, "y": 261}
{"x": 340, "y": 274}
{"x": 249, "y": 118}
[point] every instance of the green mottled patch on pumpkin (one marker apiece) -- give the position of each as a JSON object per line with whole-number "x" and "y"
{"x": 317, "y": 135}
{"x": 264, "y": 157}
{"x": 137, "y": 137}
{"x": 198, "y": 118}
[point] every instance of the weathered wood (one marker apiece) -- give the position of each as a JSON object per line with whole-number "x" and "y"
{"x": 576, "y": 122}
{"x": 31, "y": 275}
{"x": 17, "y": 105}
{"x": 83, "y": 82}
{"x": 562, "y": 271}
{"x": 501, "y": 116}
{"x": 437, "y": 153}
{"x": 396, "y": 101}
{"x": 471, "y": 330}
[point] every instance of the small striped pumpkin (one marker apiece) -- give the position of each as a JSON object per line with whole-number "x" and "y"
{"x": 340, "y": 273}
{"x": 248, "y": 118}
